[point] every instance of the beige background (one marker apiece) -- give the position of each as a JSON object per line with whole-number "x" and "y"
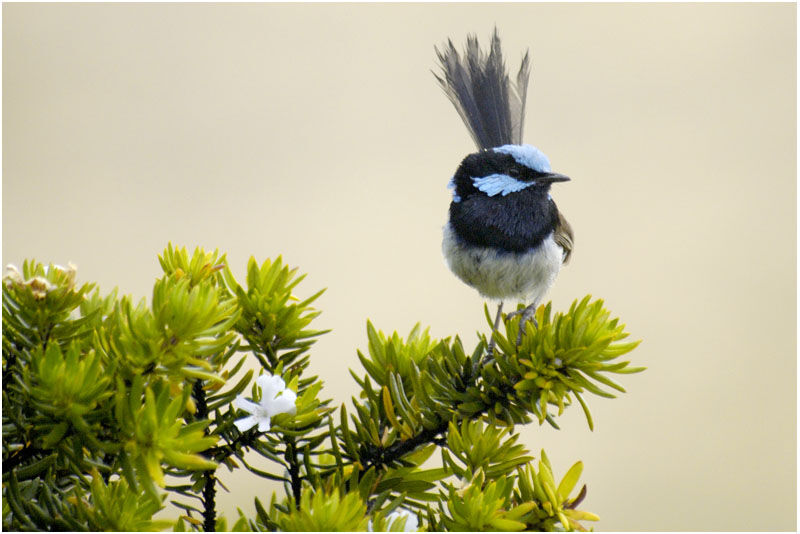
{"x": 317, "y": 132}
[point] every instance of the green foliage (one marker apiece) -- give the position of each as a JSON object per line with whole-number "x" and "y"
{"x": 393, "y": 354}
{"x": 66, "y": 390}
{"x": 552, "y": 503}
{"x": 153, "y": 434}
{"x": 320, "y": 511}
{"x": 182, "y": 334}
{"x": 528, "y": 500}
{"x": 475, "y": 447}
{"x": 565, "y": 355}
{"x": 483, "y": 507}
{"x": 38, "y": 304}
{"x": 111, "y": 409}
{"x": 272, "y": 319}
{"x": 92, "y": 384}
{"x": 117, "y": 507}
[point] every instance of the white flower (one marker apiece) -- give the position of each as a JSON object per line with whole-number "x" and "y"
{"x": 412, "y": 522}
{"x": 39, "y": 285}
{"x": 275, "y": 399}
{"x": 13, "y": 276}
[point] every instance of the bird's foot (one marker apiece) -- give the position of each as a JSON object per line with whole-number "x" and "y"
{"x": 528, "y": 314}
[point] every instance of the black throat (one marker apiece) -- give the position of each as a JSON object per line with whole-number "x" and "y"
{"x": 516, "y": 222}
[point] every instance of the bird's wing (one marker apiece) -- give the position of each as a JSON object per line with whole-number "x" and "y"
{"x": 563, "y": 236}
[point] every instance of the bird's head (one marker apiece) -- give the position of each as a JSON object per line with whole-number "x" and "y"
{"x": 502, "y": 171}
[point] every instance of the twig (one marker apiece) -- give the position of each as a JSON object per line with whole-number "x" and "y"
{"x": 209, "y": 485}
{"x": 379, "y": 456}
{"x": 294, "y": 470}
{"x": 20, "y": 456}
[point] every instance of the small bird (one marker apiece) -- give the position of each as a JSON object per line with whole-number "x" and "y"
{"x": 505, "y": 236}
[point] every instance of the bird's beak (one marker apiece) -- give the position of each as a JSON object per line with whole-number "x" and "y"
{"x": 552, "y": 178}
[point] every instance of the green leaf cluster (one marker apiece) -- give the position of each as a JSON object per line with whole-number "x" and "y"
{"x": 38, "y": 305}
{"x": 272, "y": 319}
{"x": 153, "y": 433}
{"x": 321, "y": 511}
{"x": 394, "y": 355}
{"x": 476, "y": 447}
{"x": 273, "y": 324}
{"x": 186, "y": 331}
{"x": 495, "y": 485}
{"x": 111, "y": 409}
{"x": 566, "y": 354}
{"x": 116, "y": 506}
{"x": 419, "y": 390}
{"x": 552, "y": 502}
{"x": 92, "y": 384}
{"x": 526, "y": 499}
{"x": 66, "y": 390}
{"x": 483, "y": 507}
{"x": 417, "y": 387}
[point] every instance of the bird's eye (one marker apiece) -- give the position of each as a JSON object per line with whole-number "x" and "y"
{"x": 514, "y": 173}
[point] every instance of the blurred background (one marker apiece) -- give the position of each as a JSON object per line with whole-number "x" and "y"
{"x": 318, "y": 132}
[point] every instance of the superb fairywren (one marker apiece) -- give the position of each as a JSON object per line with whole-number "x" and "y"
{"x": 505, "y": 236}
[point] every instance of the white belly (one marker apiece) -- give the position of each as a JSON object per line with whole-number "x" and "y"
{"x": 501, "y": 275}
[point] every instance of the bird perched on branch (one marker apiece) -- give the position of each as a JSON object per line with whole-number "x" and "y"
{"x": 505, "y": 236}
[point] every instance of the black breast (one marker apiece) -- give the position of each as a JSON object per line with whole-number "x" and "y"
{"x": 514, "y": 223}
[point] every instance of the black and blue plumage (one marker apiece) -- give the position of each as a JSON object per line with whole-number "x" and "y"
{"x": 505, "y": 236}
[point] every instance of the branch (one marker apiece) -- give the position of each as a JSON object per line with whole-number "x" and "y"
{"x": 379, "y": 456}
{"x": 221, "y": 452}
{"x": 20, "y": 456}
{"x": 294, "y": 470}
{"x": 209, "y": 484}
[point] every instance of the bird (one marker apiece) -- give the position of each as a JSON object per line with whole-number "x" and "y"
{"x": 505, "y": 236}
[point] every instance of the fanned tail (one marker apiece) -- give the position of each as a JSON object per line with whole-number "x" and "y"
{"x": 492, "y": 108}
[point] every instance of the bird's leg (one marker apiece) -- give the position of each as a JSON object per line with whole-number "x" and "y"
{"x": 490, "y": 348}
{"x": 528, "y": 314}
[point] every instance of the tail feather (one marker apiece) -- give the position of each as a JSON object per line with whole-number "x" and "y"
{"x": 492, "y": 108}
{"x": 520, "y": 94}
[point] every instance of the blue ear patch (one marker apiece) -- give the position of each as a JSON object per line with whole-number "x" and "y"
{"x": 501, "y": 184}
{"x": 527, "y": 155}
{"x": 452, "y": 185}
